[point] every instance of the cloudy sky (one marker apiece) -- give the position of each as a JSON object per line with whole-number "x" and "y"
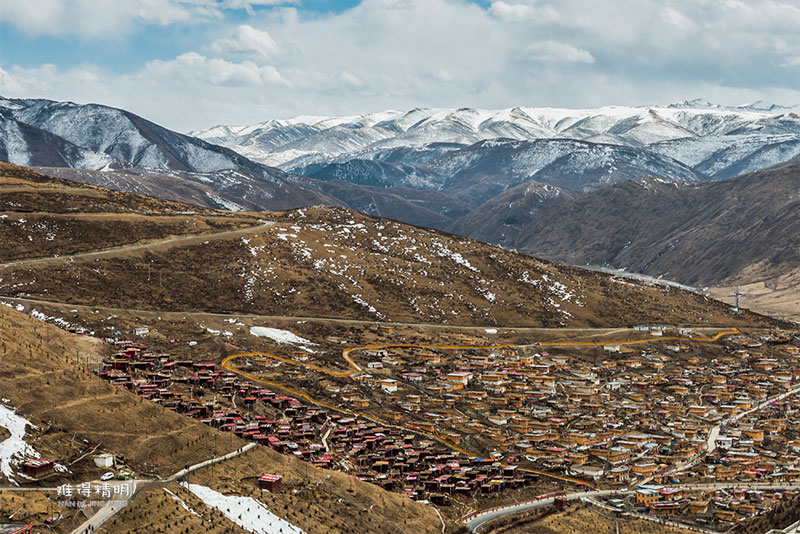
{"x": 194, "y": 63}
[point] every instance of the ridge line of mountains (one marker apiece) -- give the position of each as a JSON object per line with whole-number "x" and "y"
{"x": 691, "y": 192}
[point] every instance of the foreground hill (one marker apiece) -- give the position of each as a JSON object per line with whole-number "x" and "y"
{"x": 331, "y": 262}
{"x": 739, "y": 231}
{"x": 45, "y": 216}
{"x": 70, "y": 408}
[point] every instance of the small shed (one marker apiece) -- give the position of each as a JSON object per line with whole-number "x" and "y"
{"x": 270, "y": 483}
{"x": 104, "y": 460}
{"x": 37, "y": 468}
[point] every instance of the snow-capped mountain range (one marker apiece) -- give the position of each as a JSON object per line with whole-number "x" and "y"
{"x": 717, "y": 141}
{"x": 136, "y": 155}
{"x": 428, "y": 167}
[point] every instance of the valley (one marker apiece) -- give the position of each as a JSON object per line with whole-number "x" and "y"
{"x": 455, "y": 379}
{"x": 399, "y": 267}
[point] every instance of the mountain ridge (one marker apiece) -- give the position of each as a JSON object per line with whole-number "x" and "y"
{"x": 701, "y": 233}
{"x": 632, "y": 126}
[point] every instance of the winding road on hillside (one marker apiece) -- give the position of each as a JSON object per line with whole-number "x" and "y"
{"x": 475, "y": 520}
{"x": 229, "y": 366}
{"x": 138, "y": 246}
{"x": 594, "y": 332}
{"x": 113, "y": 506}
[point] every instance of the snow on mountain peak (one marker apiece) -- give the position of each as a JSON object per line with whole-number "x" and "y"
{"x": 304, "y": 140}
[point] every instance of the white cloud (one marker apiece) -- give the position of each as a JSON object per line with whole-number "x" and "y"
{"x": 102, "y": 18}
{"x": 247, "y": 40}
{"x": 247, "y": 4}
{"x": 554, "y": 52}
{"x": 193, "y": 69}
{"x": 791, "y": 62}
{"x": 519, "y": 12}
{"x": 98, "y": 18}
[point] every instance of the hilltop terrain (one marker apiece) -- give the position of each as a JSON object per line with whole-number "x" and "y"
{"x": 331, "y": 262}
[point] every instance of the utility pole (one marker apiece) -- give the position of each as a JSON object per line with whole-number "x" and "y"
{"x": 738, "y": 294}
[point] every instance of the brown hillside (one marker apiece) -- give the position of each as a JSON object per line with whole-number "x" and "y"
{"x": 742, "y": 231}
{"x": 40, "y": 376}
{"x": 694, "y": 233}
{"x": 240, "y": 189}
{"x": 44, "y": 216}
{"x": 24, "y": 189}
{"x": 336, "y": 263}
{"x": 500, "y": 219}
{"x": 318, "y": 262}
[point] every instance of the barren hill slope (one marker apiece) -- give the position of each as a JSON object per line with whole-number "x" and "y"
{"x": 45, "y": 216}
{"x": 331, "y": 262}
{"x": 499, "y": 220}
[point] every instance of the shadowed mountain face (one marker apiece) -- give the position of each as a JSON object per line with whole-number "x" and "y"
{"x": 696, "y": 233}
{"x": 739, "y": 231}
{"x": 500, "y": 220}
{"x": 117, "y": 149}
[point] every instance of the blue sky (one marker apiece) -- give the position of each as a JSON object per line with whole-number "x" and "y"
{"x": 194, "y": 63}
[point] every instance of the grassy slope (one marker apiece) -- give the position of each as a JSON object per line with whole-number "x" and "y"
{"x": 44, "y": 216}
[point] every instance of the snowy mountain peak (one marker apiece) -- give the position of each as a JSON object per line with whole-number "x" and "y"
{"x": 302, "y": 141}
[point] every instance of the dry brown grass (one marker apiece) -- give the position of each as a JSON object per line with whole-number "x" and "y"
{"x": 31, "y": 507}
{"x": 27, "y": 190}
{"x": 580, "y": 520}
{"x": 39, "y": 373}
{"x": 155, "y": 511}
{"x": 319, "y": 501}
{"x": 38, "y": 235}
{"x": 223, "y": 274}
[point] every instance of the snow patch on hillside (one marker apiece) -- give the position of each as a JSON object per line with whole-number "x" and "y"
{"x": 246, "y": 512}
{"x": 281, "y": 336}
{"x": 14, "y": 449}
{"x": 182, "y": 503}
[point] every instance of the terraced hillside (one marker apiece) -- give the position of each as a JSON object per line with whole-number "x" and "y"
{"x": 44, "y": 216}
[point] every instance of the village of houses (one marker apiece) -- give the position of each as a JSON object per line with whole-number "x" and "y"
{"x": 464, "y": 428}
